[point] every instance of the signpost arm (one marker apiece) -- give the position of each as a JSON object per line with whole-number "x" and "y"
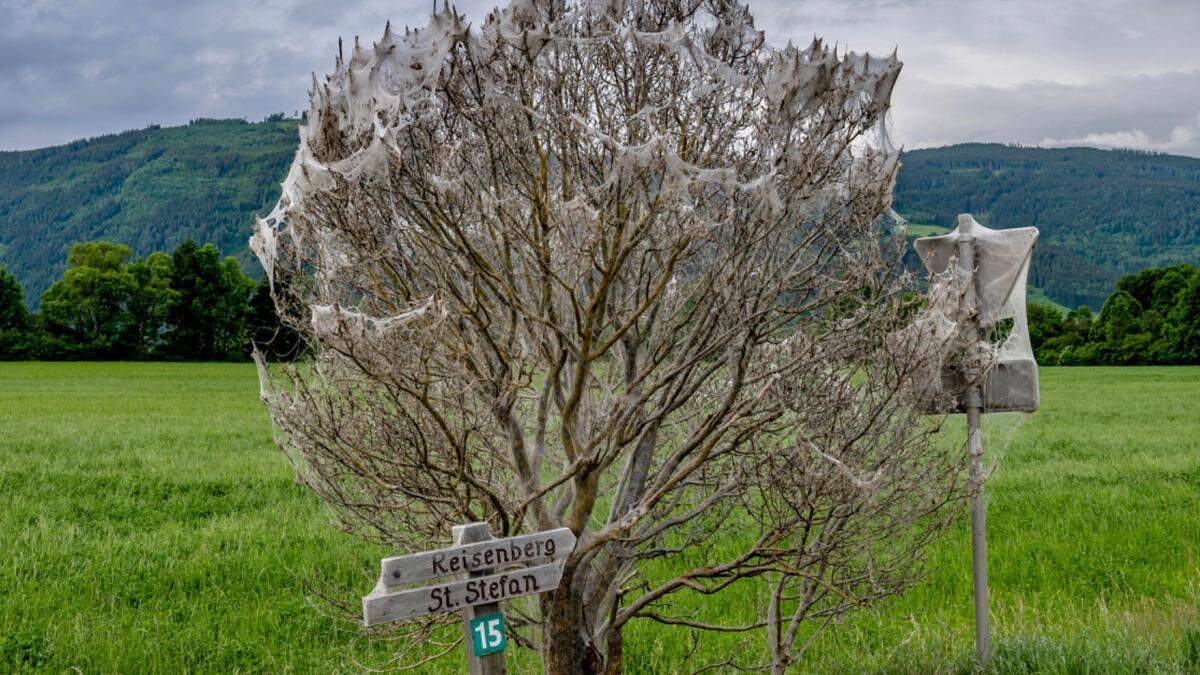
{"x": 488, "y": 664}
{"x": 974, "y": 408}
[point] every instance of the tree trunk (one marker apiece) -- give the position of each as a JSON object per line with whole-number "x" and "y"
{"x": 565, "y": 649}
{"x": 616, "y": 645}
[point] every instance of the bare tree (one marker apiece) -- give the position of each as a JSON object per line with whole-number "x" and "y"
{"x": 621, "y": 267}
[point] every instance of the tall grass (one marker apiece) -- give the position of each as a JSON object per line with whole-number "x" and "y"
{"x": 149, "y": 525}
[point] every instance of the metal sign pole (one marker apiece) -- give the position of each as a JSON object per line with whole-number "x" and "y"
{"x": 978, "y": 534}
{"x": 997, "y": 262}
{"x": 492, "y": 663}
{"x": 974, "y": 408}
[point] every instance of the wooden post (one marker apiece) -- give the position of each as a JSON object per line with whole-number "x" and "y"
{"x": 488, "y": 664}
{"x": 974, "y": 407}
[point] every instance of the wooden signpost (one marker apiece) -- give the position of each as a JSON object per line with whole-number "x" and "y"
{"x": 488, "y": 571}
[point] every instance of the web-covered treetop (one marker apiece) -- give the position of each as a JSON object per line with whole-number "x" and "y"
{"x": 589, "y": 98}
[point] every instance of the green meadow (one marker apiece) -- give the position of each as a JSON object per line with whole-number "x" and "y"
{"x": 148, "y": 524}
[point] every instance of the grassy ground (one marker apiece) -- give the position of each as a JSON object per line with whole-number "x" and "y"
{"x": 1094, "y": 540}
{"x": 923, "y": 230}
{"x": 149, "y": 525}
{"x": 1039, "y": 296}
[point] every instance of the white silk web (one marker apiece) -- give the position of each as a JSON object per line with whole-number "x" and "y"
{"x": 999, "y": 277}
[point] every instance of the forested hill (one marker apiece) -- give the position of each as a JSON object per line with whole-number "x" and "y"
{"x": 150, "y": 189}
{"x": 1102, "y": 213}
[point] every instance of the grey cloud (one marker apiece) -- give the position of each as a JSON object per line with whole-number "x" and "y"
{"x": 1158, "y": 112}
{"x": 1007, "y": 42}
{"x": 84, "y": 68}
{"x": 1181, "y": 140}
{"x": 1107, "y": 72}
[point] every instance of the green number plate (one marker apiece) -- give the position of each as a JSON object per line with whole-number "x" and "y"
{"x": 487, "y": 634}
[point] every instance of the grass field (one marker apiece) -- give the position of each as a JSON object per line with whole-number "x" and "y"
{"x": 149, "y": 525}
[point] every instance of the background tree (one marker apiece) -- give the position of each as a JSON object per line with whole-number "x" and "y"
{"x": 1144, "y": 321}
{"x": 207, "y": 319}
{"x": 1069, "y": 344}
{"x": 13, "y": 313}
{"x": 1167, "y": 288}
{"x": 1184, "y": 333}
{"x": 150, "y": 303}
{"x": 616, "y": 267}
{"x": 86, "y": 312}
{"x": 14, "y": 318}
{"x": 1045, "y": 324}
{"x": 273, "y": 338}
{"x": 1119, "y": 321}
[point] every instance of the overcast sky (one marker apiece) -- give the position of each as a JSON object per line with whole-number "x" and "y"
{"x": 1047, "y": 72}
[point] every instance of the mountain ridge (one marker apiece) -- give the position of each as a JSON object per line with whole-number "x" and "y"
{"x": 151, "y": 189}
{"x": 1102, "y": 213}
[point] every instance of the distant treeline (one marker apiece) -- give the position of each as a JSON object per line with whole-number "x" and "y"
{"x": 191, "y": 305}
{"x": 196, "y": 305}
{"x": 1152, "y": 318}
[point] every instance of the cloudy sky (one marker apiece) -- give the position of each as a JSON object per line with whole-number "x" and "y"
{"x": 1047, "y": 72}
